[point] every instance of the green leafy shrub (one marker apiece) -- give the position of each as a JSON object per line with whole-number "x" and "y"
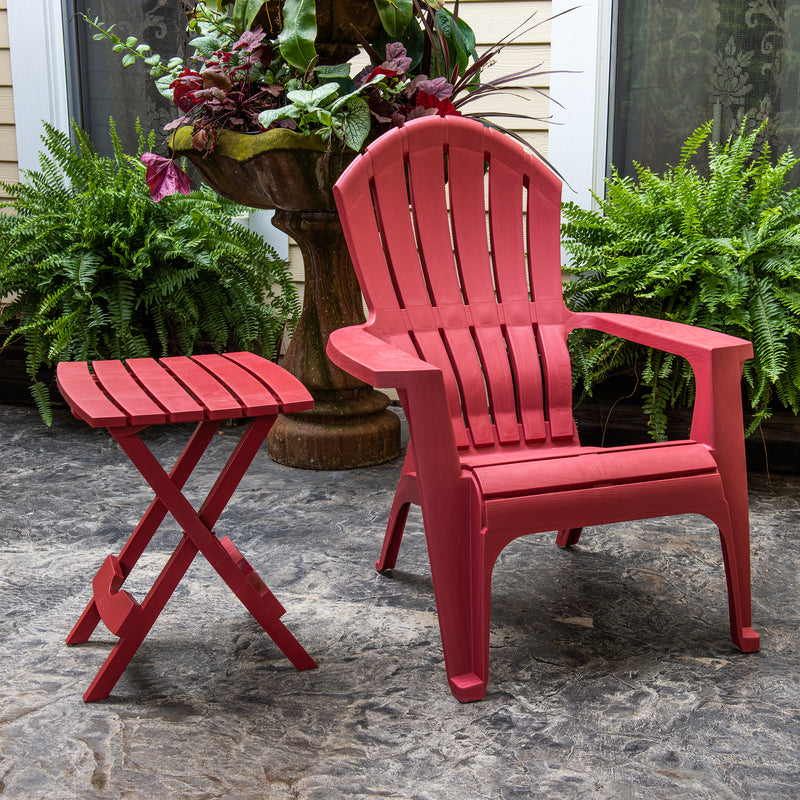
{"x": 720, "y": 250}
{"x": 97, "y": 270}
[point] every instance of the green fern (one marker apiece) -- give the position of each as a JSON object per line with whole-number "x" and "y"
{"x": 720, "y": 250}
{"x": 97, "y": 270}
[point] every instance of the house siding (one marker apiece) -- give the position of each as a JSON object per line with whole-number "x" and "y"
{"x": 8, "y": 143}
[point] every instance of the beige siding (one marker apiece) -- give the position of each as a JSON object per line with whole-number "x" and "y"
{"x": 8, "y": 142}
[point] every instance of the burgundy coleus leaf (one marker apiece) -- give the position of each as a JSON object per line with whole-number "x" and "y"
{"x": 184, "y": 87}
{"x": 216, "y": 77}
{"x": 176, "y": 123}
{"x": 436, "y": 87}
{"x": 416, "y": 112}
{"x": 250, "y": 40}
{"x": 163, "y": 177}
{"x": 397, "y": 58}
{"x": 252, "y": 45}
{"x": 200, "y": 139}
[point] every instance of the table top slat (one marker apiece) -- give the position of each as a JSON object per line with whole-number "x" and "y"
{"x": 120, "y": 385}
{"x": 291, "y": 393}
{"x": 86, "y": 398}
{"x": 255, "y": 397}
{"x": 218, "y": 402}
{"x": 165, "y": 390}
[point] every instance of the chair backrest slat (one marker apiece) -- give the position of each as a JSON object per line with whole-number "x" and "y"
{"x": 426, "y": 178}
{"x": 394, "y": 219}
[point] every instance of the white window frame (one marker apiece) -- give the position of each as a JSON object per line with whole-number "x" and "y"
{"x": 580, "y": 58}
{"x": 40, "y": 81}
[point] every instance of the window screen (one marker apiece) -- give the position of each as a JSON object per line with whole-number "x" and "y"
{"x": 680, "y": 63}
{"x": 100, "y": 87}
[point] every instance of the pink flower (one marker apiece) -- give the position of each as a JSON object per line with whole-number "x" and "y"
{"x": 389, "y": 73}
{"x": 163, "y": 177}
{"x": 444, "y": 107}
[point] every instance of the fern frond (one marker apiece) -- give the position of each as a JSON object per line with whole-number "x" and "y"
{"x": 97, "y": 270}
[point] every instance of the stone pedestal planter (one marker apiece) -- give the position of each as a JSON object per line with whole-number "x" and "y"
{"x": 350, "y": 425}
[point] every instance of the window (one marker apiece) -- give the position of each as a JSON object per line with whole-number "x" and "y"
{"x": 641, "y": 75}
{"x": 680, "y": 63}
{"x": 98, "y": 86}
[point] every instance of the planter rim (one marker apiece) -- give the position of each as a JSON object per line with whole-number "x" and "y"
{"x": 246, "y": 146}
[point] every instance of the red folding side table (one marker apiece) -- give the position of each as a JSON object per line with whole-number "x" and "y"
{"x": 128, "y": 396}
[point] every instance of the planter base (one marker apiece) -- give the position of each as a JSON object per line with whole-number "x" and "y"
{"x": 347, "y": 431}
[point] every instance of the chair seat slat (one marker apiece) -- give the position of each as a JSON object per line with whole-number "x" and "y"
{"x": 595, "y": 467}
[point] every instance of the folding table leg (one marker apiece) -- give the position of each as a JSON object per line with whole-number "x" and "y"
{"x": 197, "y": 526}
{"x": 129, "y": 642}
{"x": 149, "y": 524}
{"x": 223, "y": 556}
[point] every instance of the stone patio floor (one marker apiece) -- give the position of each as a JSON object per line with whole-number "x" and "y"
{"x": 612, "y": 671}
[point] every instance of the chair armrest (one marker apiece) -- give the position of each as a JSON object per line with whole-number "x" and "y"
{"x": 375, "y": 361}
{"x": 716, "y": 359}
{"x": 688, "y": 341}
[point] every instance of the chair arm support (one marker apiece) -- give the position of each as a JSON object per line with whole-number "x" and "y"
{"x": 421, "y": 389}
{"x": 375, "y": 361}
{"x": 716, "y": 359}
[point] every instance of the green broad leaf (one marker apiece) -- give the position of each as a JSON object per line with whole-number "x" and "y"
{"x": 468, "y": 37}
{"x": 395, "y": 15}
{"x": 321, "y": 116}
{"x": 162, "y": 84}
{"x": 343, "y": 101}
{"x": 266, "y": 118}
{"x": 131, "y": 41}
{"x": 357, "y": 123}
{"x": 296, "y": 39}
{"x": 206, "y": 45}
{"x": 313, "y": 97}
{"x": 333, "y": 70}
{"x": 244, "y": 12}
{"x": 128, "y": 59}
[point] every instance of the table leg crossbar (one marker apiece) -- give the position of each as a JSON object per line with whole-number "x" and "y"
{"x": 132, "y": 621}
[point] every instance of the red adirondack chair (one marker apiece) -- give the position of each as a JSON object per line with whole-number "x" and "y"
{"x": 467, "y": 321}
